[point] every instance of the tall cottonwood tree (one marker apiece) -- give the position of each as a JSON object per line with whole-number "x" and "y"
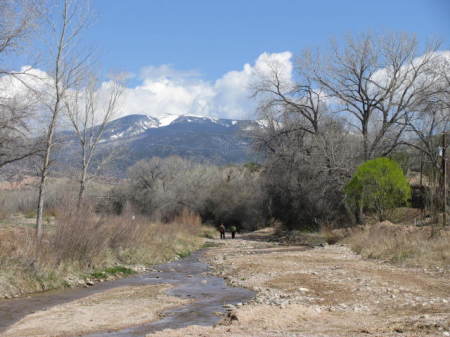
{"x": 67, "y": 68}
{"x": 89, "y": 111}
{"x": 308, "y": 152}
{"x": 374, "y": 82}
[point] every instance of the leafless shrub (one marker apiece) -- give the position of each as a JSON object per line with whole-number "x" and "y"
{"x": 166, "y": 189}
{"x": 80, "y": 237}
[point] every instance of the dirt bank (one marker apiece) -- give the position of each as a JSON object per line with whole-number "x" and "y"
{"x": 325, "y": 291}
{"x": 112, "y": 309}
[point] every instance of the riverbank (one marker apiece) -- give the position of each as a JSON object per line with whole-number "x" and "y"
{"x": 325, "y": 291}
{"x": 81, "y": 252}
{"x": 174, "y": 295}
{"x": 299, "y": 291}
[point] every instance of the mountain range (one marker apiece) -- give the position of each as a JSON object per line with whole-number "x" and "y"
{"x": 135, "y": 137}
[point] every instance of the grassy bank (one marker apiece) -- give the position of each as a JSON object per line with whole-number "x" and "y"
{"x": 399, "y": 244}
{"x": 402, "y": 245}
{"x": 83, "y": 247}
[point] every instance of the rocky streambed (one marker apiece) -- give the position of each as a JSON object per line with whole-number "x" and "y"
{"x": 204, "y": 296}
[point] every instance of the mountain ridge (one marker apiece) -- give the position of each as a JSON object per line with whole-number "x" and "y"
{"x": 131, "y": 138}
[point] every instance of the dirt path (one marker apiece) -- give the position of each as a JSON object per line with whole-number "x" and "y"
{"x": 325, "y": 291}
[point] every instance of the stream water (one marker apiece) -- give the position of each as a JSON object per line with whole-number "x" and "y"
{"x": 189, "y": 276}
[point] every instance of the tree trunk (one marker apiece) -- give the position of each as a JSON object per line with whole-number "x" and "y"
{"x": 44, "y": 171}
{"x": 42, "y": 191}
{"x": 359, "y": 213}
{"x": 444, "y": 179}
{"x": 40, "y": 208}
{"x": 82, "y": 186}
{"x": 365, "y": 134}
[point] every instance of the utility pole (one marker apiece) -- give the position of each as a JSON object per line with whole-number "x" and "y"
{"x": 444, "y": 177}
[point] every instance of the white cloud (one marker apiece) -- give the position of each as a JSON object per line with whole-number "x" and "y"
{"x": 165, "y": 92}
{"x": 232, "y": 99}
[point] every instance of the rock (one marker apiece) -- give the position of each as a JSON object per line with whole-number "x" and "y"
{"x": 204, "y": 281}
{"x": 229, "y": 307}
{"x": 228, "y": 320}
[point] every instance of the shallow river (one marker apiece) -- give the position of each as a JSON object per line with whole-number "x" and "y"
{"x": 189, "y": 276}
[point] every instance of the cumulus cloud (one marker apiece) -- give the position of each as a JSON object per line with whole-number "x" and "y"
{"x": 165, "y": 92}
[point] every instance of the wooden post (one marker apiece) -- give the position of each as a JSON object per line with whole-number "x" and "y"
{"x": 421, "y": 170}
{"x": 444, "y": 177}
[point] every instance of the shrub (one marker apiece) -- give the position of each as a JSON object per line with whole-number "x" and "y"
{"x": 378, "y": 185}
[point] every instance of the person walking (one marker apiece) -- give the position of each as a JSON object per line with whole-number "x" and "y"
{"x": 222, "y": 231}
{"x": 233, "y": 230}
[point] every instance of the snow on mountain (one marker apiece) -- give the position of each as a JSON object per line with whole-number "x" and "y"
{"x": 137, "y": 137}
{"x": 135, "y": 125}
{"x": 131, "y": 127}
{"x": 128, "y": 127}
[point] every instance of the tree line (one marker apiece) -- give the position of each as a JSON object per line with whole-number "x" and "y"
{"x": 369, "y": 96}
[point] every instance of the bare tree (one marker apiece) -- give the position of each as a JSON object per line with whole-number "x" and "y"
{"x": 282, "y": 99}
{"x": 89, "y": 114}
{"x": 308, "y": 153}
{"x": 428, "y": 122}
{"x": 67, "y": 69}
{"x": 374, "y": 81}
{"x": 18, "y": 23}
{"x": 18, "y": 20}
{"x": 14, "y": 132}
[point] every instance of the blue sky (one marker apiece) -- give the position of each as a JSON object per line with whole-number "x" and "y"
{"x": 198, "y": 57}
{"x": 213, "y": 37}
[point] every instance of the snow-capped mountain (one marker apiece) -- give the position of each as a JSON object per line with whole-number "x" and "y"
{"x": 135, "y": 125}
{"x": 131, "y": 138}
{"x": 129, "y": 126}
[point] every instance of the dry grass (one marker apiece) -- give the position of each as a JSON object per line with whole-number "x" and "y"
{"x": 405, "y": 245}
{"x": 82, "y": 243}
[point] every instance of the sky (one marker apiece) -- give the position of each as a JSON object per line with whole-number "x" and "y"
{"x": 199, "y": 57}
{"x": 214, "y": 37}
